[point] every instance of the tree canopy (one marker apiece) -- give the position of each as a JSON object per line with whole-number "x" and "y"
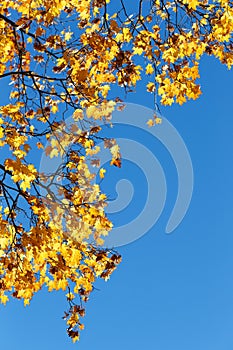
{"x": 61, "y": 58}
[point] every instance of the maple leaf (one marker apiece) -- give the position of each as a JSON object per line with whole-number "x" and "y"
{"x": 150, "y": 87}
{"x": 150, "y": 122}
{"x": 102, "y": 172}
{"x": 54, "y": 74}
{"x": 149, "y": 69}
{"x": 116, "y": 162}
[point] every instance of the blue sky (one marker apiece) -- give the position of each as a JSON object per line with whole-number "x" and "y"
{"x": 171, "y": 291}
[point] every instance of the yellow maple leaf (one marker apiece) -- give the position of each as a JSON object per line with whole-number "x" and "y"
{"x": 54, "y": 108}
{"x": 68, "y": 36}
{"x": 1, "y": 132}
{"x": 4, "y": 298}
{"x": 149, "y": 69}
{"x": 54, "y": 153}
{"x": 102, "y": 172}
{"x": 150, "y": 122}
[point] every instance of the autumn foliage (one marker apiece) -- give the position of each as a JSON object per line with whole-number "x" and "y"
{"x": 61, "y": 58}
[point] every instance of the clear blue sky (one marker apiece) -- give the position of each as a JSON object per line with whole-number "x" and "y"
{"x": 171, "y": 292}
